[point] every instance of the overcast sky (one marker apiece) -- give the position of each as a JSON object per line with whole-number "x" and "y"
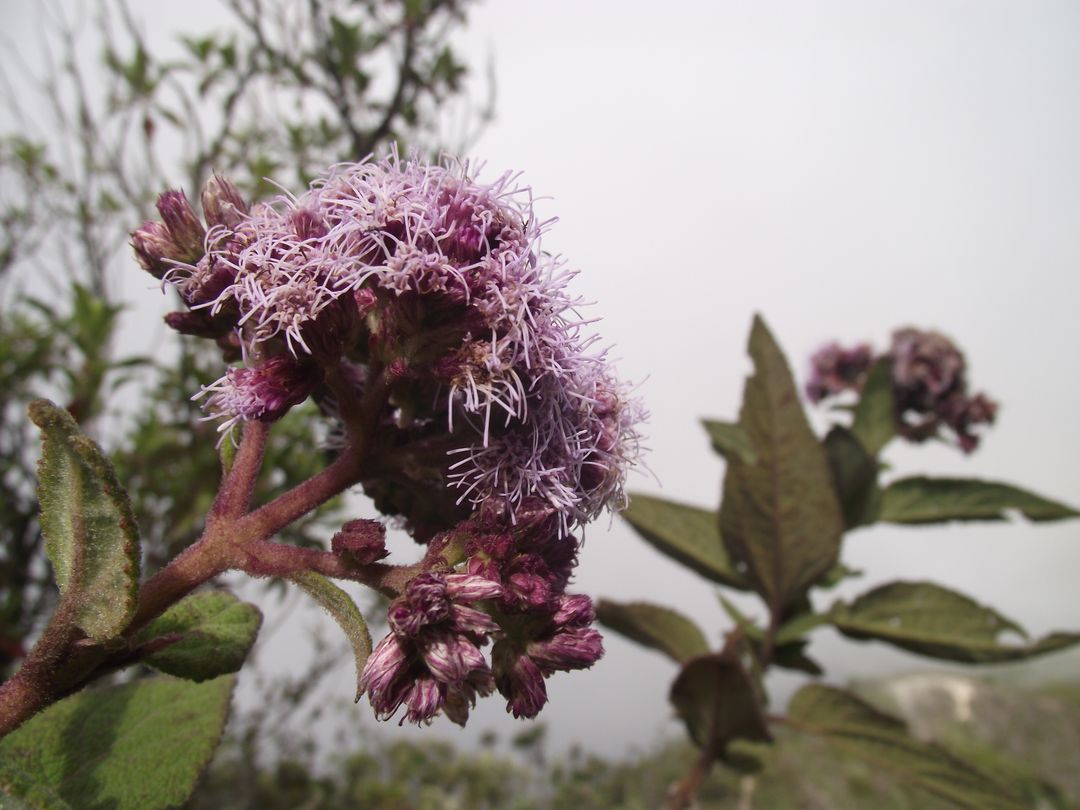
{"x": 843, "y": 168}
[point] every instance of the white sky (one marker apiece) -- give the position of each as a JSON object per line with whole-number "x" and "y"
{"x": 843, "y": 168}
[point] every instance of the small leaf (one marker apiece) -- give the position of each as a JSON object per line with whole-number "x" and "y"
{"x": 139, "y": 746}
{"x": 215, "y": 629}
{"x": 654, "y": 626}
{"x": 687, "y": 534}
{"x": 937, "y": 622}
{"x": 854, "y": 474}
{"x": 89, "y": 527}
{"x": 729, "y": 440}
{"x": 779, "y": 517}
{"x": 936, "y": 500}
{"x": 718, "y": 701}
{"x": 343, "y": 610}
{"x": 789, "y": 651}
{"x": 874, "y": 424}
{"x": 882, "y": 741}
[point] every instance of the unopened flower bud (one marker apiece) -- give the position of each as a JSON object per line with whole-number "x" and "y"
{"x": 574, "y": 610}
{"x": 572, "y": 648}
{"x": 471, "y": 588}
{"x": 363, "y": 540}
{"x": 198, "y": 323}
{"x": 519, "y": 680}
{"x": 154, "y": 247}
{"x": 185, "y": 229}
{"x": 423, "y": 699}
{"x": 222, "y": 204}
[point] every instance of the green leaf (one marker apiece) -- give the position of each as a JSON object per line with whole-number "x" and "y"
{"x": 215, "y": 632}
{"x": 854, "y": 474}
{"x": 789, "y": 651}
{"x": 936, "y": 500}
{"x": 875, "y": 415}
{"x": 858, "y": 729}
{"x": 139, "y": 746}
{"x": 654, "y": 626}
{"x": 343, "y": 610}
{"x": 937, "y": 622}
{"x": 718, "y": 701}
{"x": 729, "y": 440}
{"x": 687, "y": 534}
{"x": 779, "y": 517}
{"x": 90, "y": 532}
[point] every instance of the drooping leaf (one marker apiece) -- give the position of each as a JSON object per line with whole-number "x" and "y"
{"x": 858, "y": 729}
{"x": 654, "y": 626}
{"x": 343, "y": 610}
{"x": 729, "y": 440}
{"x": 937, "y": 622}
{"x": 687, "y": 534}
{"x": 86, "y": 517}
{"x": 874, "y": 423}
{"x": 854, "y": 474}
{"x": 139, "y": 746}
{"x": 936, "y": 500}
{"x": 779, "y": 517}
{"x": 215, "y": 632}
{"x": 718, "y": 701}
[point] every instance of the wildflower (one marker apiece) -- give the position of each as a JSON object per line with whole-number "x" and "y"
{"x": 265, "y": 392}
{"x": 834, "y": 370}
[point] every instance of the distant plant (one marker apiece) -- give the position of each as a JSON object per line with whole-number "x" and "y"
{"x": 788, "y": 500}
{"x": 451, "y": 379}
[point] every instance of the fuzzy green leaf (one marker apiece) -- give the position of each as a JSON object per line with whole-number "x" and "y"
{"x": 779, "y": 517}
{"x": 654, "y": 626}
{"x": 858, "y": 729}
{"x": 343, "y": 610}
{"x": 718, "y": 701}
{"x": 936, "y": 500}
{"x": 215, "y": 632}
{"x": 937, "y": 622}
{"x": 729, "y": 440}
{"x": 687, "y": 534}
{"x": 139, "y": 746}
{"x": 89, "y": 527}
{"x": 875, "y": 415}
{"x": 854, "y": 474}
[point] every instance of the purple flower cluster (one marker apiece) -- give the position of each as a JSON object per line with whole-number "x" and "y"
{"x": 929, "y": 384}
{"x": 431, "y": 661}
{"x": 437, "y": 282}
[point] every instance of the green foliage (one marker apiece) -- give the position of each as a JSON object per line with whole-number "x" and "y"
{"x": 207, "y": 634}
{"x": 139, "y": 746}
{"x": 874, "y": 422}
{"x": 343, "y": 610}
{"x": 729, "y": 440}
{"x": 779, "y": 517}
{"x": 937, "y": 622}
{"x": 854, "y": 474}
{"x": 920, "y": 499}
{"x": 858, "y": 729}
{"x": 654, "y": 626}
{"x": 719, "y": 701}
{"x": 687, "y": 534}
{"x": 89, "y": 528}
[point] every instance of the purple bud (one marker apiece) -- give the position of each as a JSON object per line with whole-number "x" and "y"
{"x": 520, "y": 681}
{"x": 470, "y": 620}
{"x": 381, "y": 678}
{"x": 451, "y": 657}
{"x": 265, "y": 392}
{"x": 531, "y": 590}
{"x": 834, "y": 369}
{"x": 423, "y": 699}
{"x": 471, "y": 588}
{"x": 572, "y": 648}
{"x": 185, "y": 229}
{"x": 154, "y": 247}
{"x": 198, "y": 323}
{"x": 222, "y": 204}
{"x": 364, "y": 540}
{"x": 574, "y": 610}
